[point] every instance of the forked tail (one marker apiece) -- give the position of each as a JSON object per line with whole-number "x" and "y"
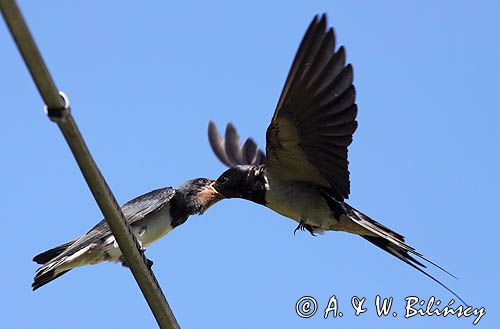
{"x": 49, "y": 260}
{"x": 394, "y": 243}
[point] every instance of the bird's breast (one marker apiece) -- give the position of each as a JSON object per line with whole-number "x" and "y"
{"x": 304, "y": 202}
{"x": 153, "y": 226}
{"x": 297, "y": 201}
{"x": 148, "y": 230}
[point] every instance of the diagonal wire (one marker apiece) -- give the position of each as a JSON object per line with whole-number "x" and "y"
{"x": 57, "y": 107}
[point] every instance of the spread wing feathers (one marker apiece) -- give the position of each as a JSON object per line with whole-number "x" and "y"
{"x": 229, "y": 151}
{"x": 394, "y": 243}
{"x": 315, "y": 116}
{"x": 134, "y": 211}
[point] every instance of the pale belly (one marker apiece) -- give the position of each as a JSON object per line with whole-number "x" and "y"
{"x": 302, "y": 202}
{"x": 154, "y": 228}
{"x": 298, "y": 202}
{"x": 146, "y": 231}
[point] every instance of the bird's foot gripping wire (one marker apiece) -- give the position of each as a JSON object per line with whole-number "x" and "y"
{"x": 303, "y": 226}
{"x": 149, "y": 263}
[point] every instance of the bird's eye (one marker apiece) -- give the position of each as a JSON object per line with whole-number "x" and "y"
{"x": 224, "y": 180}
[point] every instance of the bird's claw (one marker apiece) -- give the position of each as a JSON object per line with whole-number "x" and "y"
{"x": 303, "y": 226}
{"x": 149, "y": 263}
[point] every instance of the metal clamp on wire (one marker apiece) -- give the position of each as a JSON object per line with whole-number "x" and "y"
{"x": 58, "y": 114}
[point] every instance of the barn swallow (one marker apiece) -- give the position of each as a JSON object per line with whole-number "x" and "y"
{"x": 151, "y": 216}
{"x": 304, "y": 174}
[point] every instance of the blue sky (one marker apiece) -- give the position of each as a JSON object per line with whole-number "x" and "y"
{"x": 144, "y": 80}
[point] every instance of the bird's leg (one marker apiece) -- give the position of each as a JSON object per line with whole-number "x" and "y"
{"x": 303, "y": 226}
{"x": 149, "y": 263}
{"x": 310, "y": 229}
{"x": 142, "y": 250}
{"x": 299, "y": 227}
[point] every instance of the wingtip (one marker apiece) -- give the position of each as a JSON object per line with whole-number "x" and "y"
{"x": 318, "y": 24}
{"x": 212, "y": 129}
{"x": 314, "y": 23}
{"x": 230, "y": 126}
{"x": 232, "y": 135}
{"x": 320, "y": 17}
{"x": 323, "y": 20}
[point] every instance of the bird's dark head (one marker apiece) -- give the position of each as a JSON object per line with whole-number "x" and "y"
{"x": 199, "y": 194}
{"x": 247, "y": 182}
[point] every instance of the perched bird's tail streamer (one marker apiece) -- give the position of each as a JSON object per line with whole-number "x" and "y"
{"x": 50, "y": 261}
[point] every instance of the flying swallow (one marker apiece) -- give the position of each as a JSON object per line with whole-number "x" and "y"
{"x": 304, "y": 174}
{"x": 151, "y": 216}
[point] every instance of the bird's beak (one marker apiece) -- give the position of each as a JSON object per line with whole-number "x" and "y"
{"x": 209, "y": 196}
{"x": 216, "y": 196}
{"x": 212, "y": 187}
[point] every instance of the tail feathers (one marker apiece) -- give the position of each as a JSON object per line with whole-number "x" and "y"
{"x": 52, "y": 267}
{"x": 44, "y": 277}
{"x": 50, "y": 254}
{"x": 394, "y": 243}
{"x": 410, "y": 260}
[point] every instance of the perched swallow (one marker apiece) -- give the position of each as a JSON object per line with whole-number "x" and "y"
{"x": 304, "y": 175}
{"x": 151, "y": 216}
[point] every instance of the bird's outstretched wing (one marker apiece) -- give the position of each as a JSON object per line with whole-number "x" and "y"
{"x": 133, "y": 211}
{"x": 314, "y": 120}
{"x": 229, "y": 151}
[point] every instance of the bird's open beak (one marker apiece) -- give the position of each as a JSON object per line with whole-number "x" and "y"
{"x": 216, "y": 196}
{"x": 209, "y": 196}
{"x": 212, "y": 187}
